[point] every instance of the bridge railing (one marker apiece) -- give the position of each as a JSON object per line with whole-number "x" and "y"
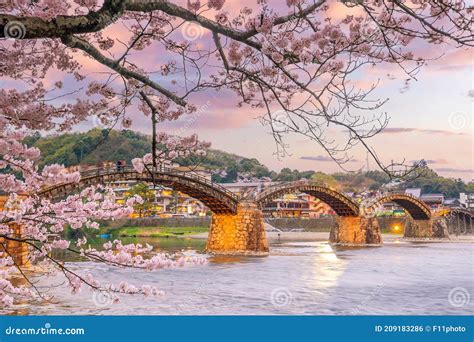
{"x": 285, "y": 185}
{"x": 160, "y": 169}
{"x": 373, "y": 200}
{"x": 369, "y": 205}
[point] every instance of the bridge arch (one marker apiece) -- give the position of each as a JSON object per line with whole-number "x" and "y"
{"x": 460, "y": 220}
{"x": 340, "y": 203}
{"x": 417, "y": 209}
{"x": 218, "y": 199}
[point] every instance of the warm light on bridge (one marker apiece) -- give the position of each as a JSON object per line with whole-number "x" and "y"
{"x": 396, "y": 229}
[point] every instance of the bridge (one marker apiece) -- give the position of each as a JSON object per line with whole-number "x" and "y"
{"x": 217, "y": 198}
{"x": 237, "y": 223}
{"x": 460, "y": 221}
{"x": 421, "y": 223}
{"x": 340, "y": 203}
{"x": 415, "y": 207}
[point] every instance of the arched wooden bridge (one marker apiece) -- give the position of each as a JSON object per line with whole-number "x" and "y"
{"x": 217, "y": 198}
{"x": 417, "y": 209}
{"x": 237, "y": 223}
{"x": 340, "y": 203}
{"x": 461, "y": 221}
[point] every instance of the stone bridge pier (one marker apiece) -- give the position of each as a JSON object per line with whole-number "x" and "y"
{"x": 243, "y": 232}
{"x": 18, "y": 251}
{"x": 356, "y": 231}
{"x": 433, "y": 228}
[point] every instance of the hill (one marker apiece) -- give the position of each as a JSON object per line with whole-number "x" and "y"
{"x": 96, "y": 146}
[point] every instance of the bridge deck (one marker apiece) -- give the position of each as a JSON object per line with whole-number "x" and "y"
{"x": 213, "y": 195}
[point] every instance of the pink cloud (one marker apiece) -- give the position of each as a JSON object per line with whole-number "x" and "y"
{"x": 399, "y": 130}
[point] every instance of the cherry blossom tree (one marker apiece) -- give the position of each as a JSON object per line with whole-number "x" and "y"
{"x": 293, "y": 60}
{"x": 42, "y": 222}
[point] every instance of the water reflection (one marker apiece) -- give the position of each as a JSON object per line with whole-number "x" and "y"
{"x": 328, "y": 266}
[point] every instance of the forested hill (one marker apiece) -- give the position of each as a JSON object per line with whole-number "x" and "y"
{"x": 92, "y": 147}
{"x": 99, "y": 145}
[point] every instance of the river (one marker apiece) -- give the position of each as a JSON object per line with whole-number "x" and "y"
{"x": 297, "y": 278}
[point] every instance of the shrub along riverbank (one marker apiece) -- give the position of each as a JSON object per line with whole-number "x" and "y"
{"x": 155, "y": 231}
{"x": 176, "y": 227}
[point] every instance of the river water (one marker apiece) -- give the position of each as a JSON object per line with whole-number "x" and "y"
{"x": 297, "y": 278}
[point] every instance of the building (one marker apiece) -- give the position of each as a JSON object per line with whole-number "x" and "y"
{"x": 297, "y": 205}
{"x": 452, "y": 202}
{"x": 166, "y": 202}
{"x": 466, "y": 200}
{"x": 241, "y": 188}
{"x": 415, "y": 192}
{"x": 433, "y": 200}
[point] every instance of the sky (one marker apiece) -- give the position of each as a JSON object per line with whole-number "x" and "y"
{"x": 431, "y": 119}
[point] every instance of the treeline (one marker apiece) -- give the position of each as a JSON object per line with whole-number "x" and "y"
{"x": 97, "y": 145}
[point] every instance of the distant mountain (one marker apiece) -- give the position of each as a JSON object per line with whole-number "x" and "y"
{"x": 99, "y": 145}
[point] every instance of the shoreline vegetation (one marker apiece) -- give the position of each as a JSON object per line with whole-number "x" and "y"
{"x": 156, "y": 231}
{"x": 200, "y": 232}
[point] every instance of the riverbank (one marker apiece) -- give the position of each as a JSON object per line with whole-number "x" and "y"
{"x": 157, "y": 231}
{"x": 275, "y": 237}
{"x": 201, "y": 232}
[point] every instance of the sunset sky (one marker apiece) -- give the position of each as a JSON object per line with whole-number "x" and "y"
{"x": 432, "y": 118}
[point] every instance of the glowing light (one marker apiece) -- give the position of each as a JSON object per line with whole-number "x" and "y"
{"x": 396, "y": 228}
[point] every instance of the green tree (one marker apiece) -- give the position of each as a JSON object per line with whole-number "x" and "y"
{"x": 323, "y": 178}
{"x": 148, "y": 196}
